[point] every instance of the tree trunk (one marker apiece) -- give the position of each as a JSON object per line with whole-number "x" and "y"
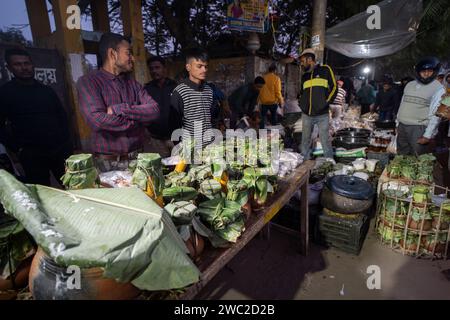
{"x": 177, "y": 21}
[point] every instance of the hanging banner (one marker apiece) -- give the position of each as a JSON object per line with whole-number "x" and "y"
{"x": 248, "y": 15}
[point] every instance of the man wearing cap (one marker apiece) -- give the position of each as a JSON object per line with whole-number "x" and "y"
{"x": 416, "y": 115}
{"x": 317, "y": 91}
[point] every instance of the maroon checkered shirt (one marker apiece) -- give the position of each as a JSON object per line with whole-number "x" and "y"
{"x": 122, "y": 132}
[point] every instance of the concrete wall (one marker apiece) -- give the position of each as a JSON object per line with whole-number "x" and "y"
{"x": 230, "y": 73}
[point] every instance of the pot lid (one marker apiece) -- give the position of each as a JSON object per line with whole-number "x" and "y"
{"x": 351, "y": 187}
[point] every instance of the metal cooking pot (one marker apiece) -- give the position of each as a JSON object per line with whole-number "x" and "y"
{"x": 385, "y": 124}
{"x": 347, "y": 194}
{"x": 350, "y": 142}
{"x": 353, "y": 132}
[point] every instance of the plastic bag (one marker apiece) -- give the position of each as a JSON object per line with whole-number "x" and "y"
{"x": 392, "y": 147}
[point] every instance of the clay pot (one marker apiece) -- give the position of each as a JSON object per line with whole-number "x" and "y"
{"x": 48, "y": 281}
{"x": 247, "y": 209}
{"x": 443, "y": 226}
{"x": 409, "y": 247}
{"x": 20, "y": 277}
{"x": 417, "y": 224}
{"x": 429, "y": 245}
{"x": 195, "y": 245}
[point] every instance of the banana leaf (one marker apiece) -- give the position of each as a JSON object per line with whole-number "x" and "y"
{"x": 388, "y": 234}
{"x": 204, "y": 231}
{"x": 237, "y": 191}
{"x": 149, "y": 170}
{"x": 211, "y": 189}
{"x": 232, "y": 231}
{"x": 179, "y": 194}
{"x": 218, "y": 213}
{"x": 181, "y": 212}
{"x": 80, "y": 172}
{"x": 200, "y": 173}
{"x": 120, "y": 230}
{"x": 417, "y": 214}
{"x": 258, "y": 182}
{"x": 178, "y": 179}
{"x": 15, "y": 245}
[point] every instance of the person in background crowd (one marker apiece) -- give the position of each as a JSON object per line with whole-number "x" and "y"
{"x": 219, "y": 110}
{"x": 39, "y": 129}
{"x": 366, "y": 97}
{"x": 416, "y": 116}
{"x": 440, "y": 78}
{"x": 270, "y": 96}
{"x": 242, "y": 101}
{"x": 318, "y": 89}
{"x": 160, "y": 89}
{"x": 337, "y": 106}
{"x": 386, "y": 101}
{"x": 349, "y": 89}
{"x": 116, "y": 107}
{"x": 192, "y": 100}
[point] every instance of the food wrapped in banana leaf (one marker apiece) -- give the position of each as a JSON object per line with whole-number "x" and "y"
{"x": 219, "y": 215}
{"x": 211, "y": 188}
{"x": 181, "y": 212}
{"x": 178, "y": 179}
{"x": 148, "y": 175}
{"x": 200, "y": 173}
{"x": 258, "y": 182}
{"x": 179, "y": 194}
{"x": 80, "y": 173}
{"x": 237, "y": 191}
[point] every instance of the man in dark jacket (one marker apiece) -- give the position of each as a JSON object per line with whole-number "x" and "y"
{"x": 38, "y": 131}
{"x": 243, "y": 100}
{"x": 386, "y": 101}
{"x": 160, "y": 89}
{"x": 318, "y": 90}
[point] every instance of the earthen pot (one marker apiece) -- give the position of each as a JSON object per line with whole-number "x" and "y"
{"x": 195, "y": 245}
{"x": 417, "y": 224}
{"x": 20, "y": 277}
{"x": 443, "y": 226}
{"x": 49, "y": 281}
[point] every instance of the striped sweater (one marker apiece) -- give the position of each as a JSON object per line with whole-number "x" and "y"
{"x": 192, "y": 104}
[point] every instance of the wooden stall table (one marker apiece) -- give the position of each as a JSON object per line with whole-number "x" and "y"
{"x": 213, "y": 260}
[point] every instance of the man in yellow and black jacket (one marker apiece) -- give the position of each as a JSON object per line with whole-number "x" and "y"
{"x": 318, "y": 90}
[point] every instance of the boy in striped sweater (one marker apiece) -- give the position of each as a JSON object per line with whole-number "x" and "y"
{"x": 192, "y": 101}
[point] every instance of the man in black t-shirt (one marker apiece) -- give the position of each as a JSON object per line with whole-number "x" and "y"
{"x": 37, "y": 131}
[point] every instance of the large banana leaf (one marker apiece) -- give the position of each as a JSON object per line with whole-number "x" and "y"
{"x": 121, "y": 230}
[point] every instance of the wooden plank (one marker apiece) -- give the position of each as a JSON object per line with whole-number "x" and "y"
{"x": 213, "y": 260}
{"x": 304, "y": 220}
{"x": 39, "y": 21}
{"x": 133, "y": 27}
{"x": 100, "y": 16}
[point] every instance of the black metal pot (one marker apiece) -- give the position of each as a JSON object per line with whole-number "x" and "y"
{"x": 354, "y": 132}
{"x": 347, "y": 195}
{"x": 385, "y": 124}
{"x": 350, "y": 142}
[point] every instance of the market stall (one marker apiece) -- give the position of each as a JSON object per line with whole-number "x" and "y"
{"x": 162, "y": 226}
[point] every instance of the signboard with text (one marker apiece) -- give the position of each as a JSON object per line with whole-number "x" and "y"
{"x": 248, "y": 15}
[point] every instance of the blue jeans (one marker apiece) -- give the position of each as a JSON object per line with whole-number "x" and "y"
{"x": 323, "y": 124}
{"x": 273, "y": 114}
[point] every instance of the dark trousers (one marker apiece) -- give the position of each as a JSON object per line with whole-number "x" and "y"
{"x": 39, "y": 163}
{"x": 365, "y": 107}
{"x": 273, "y": 114}
{"x": 386, "y": 115}
{"x": 407, "y": 136}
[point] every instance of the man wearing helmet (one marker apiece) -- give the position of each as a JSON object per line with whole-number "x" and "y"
{"x": 416, "y": 115}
